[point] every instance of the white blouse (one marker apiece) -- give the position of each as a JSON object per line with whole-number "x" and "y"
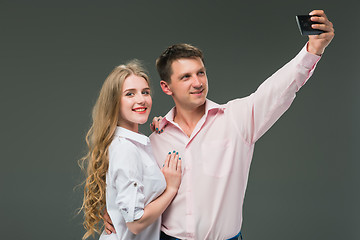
{"x": 133, "y": 180}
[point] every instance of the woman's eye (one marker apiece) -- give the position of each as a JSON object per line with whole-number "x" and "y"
{"x": 146, "y": 92}
{"x": 129, "y": 94}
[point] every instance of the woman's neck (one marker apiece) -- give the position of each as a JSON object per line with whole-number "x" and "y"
{"x": 129, "y": 126}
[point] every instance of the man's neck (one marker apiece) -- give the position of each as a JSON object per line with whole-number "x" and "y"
{"x": 188, "y": 118}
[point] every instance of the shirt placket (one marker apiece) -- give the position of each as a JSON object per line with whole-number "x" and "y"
{"x": 190, "y": 218}
{"x": 190, "y": 222}
{"x": 187, "y": 178}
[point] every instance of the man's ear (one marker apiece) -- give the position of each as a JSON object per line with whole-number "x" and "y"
{"x": 165, "y": 87}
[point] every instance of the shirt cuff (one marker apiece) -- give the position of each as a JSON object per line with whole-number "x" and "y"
{"x": 132, "y": 217}
{"x": 308, "y": 60}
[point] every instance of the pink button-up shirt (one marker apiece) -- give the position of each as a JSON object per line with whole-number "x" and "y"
{"x": 216, "y": 157}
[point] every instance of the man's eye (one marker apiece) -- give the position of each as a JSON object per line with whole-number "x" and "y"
{"x": 185, "y": 76}
{"x": 201, "y": 73}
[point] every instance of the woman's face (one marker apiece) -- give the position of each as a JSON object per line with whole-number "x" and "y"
{"x": 135, "y": 103}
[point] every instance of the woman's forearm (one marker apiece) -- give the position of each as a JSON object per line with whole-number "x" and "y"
{"x": 152, "y": 211}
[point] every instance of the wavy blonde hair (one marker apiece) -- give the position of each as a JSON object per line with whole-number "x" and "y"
{"x": 105, "y": 116}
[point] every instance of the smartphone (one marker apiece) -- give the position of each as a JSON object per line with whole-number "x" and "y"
{"x": 304, "y": 23}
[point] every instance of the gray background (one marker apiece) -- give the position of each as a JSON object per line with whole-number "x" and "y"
{"x": 304, "y": 181}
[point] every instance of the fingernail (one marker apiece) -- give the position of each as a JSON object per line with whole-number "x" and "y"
{"x": 163, "y": 164}
{"x": 159, "y": 132}
{"x": 174, "y": 151}
{"x": 179, "y": 158}
{"x": 177, "y": 153}
{"x": 169, "y": 152}
{"x": 162, "y": 130}
{"x": 158, "y": 119}
{"x": 156, "y": 129}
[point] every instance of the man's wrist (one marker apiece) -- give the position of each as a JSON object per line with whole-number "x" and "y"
{"x": 314, "y": 50}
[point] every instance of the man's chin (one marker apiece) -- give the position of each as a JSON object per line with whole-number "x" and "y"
{"x": 192, "y": 103}
{"x": 199, "y": 102}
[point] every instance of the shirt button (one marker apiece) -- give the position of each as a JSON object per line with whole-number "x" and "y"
{"x": 189, "y": 235}
{"x": 135, "y": 184}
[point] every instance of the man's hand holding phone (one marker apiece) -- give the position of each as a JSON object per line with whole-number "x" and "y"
{"x": 324, "y": 29}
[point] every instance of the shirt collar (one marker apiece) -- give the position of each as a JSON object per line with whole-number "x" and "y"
{"x": 140, "y": 138}
{"x": 209, "y": 106}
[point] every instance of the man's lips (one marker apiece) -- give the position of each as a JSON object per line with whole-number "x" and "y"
{"x": 197, "y": 92}
{"x": 140, "y": 109}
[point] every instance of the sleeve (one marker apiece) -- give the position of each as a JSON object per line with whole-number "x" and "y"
{"x": 127, "y": 177}
{"x": 255, "y": 114}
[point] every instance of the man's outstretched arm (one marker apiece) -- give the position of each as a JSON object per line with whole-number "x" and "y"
{"x": 262, "y": 109}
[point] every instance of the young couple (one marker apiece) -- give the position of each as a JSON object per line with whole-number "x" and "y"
{"x": 194, "y": 173}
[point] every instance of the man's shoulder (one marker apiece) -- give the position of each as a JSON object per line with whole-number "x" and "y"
{"x": 238, "y": 100}
{"x": 235, "y": 103}
{"x": 156, "y": 138}
{"x": 220, "y": 105}
{"x": 153, "y": 136}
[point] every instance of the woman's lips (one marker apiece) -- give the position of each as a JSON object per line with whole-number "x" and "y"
{"x": 140, "y": 110}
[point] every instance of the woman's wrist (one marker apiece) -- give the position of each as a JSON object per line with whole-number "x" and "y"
{"x": 171, "y": 190}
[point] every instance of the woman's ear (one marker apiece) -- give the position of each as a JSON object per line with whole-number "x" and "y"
{"x": 165, "y": 87}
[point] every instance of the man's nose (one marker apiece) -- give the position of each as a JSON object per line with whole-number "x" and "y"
{"x": 196, "y": 82}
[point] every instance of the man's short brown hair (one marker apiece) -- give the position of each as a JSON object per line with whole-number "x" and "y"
{"x": 172, "y": 53}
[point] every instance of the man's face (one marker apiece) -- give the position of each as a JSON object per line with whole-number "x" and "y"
{"x": 189, "y": 85}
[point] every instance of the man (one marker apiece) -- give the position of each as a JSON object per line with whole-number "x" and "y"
{"x": 216, "y": 142}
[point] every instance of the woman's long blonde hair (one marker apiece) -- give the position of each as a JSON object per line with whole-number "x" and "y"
{"x": 105, "y": 116}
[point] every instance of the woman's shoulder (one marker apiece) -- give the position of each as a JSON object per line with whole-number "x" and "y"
{"x": 124, "y": 152}
{"x": 122, "y": 144}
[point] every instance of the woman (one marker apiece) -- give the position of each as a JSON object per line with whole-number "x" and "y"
{"x": 120, "y": 164}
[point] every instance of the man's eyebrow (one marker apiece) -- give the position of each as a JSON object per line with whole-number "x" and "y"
{"x": 189, "y": 73}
